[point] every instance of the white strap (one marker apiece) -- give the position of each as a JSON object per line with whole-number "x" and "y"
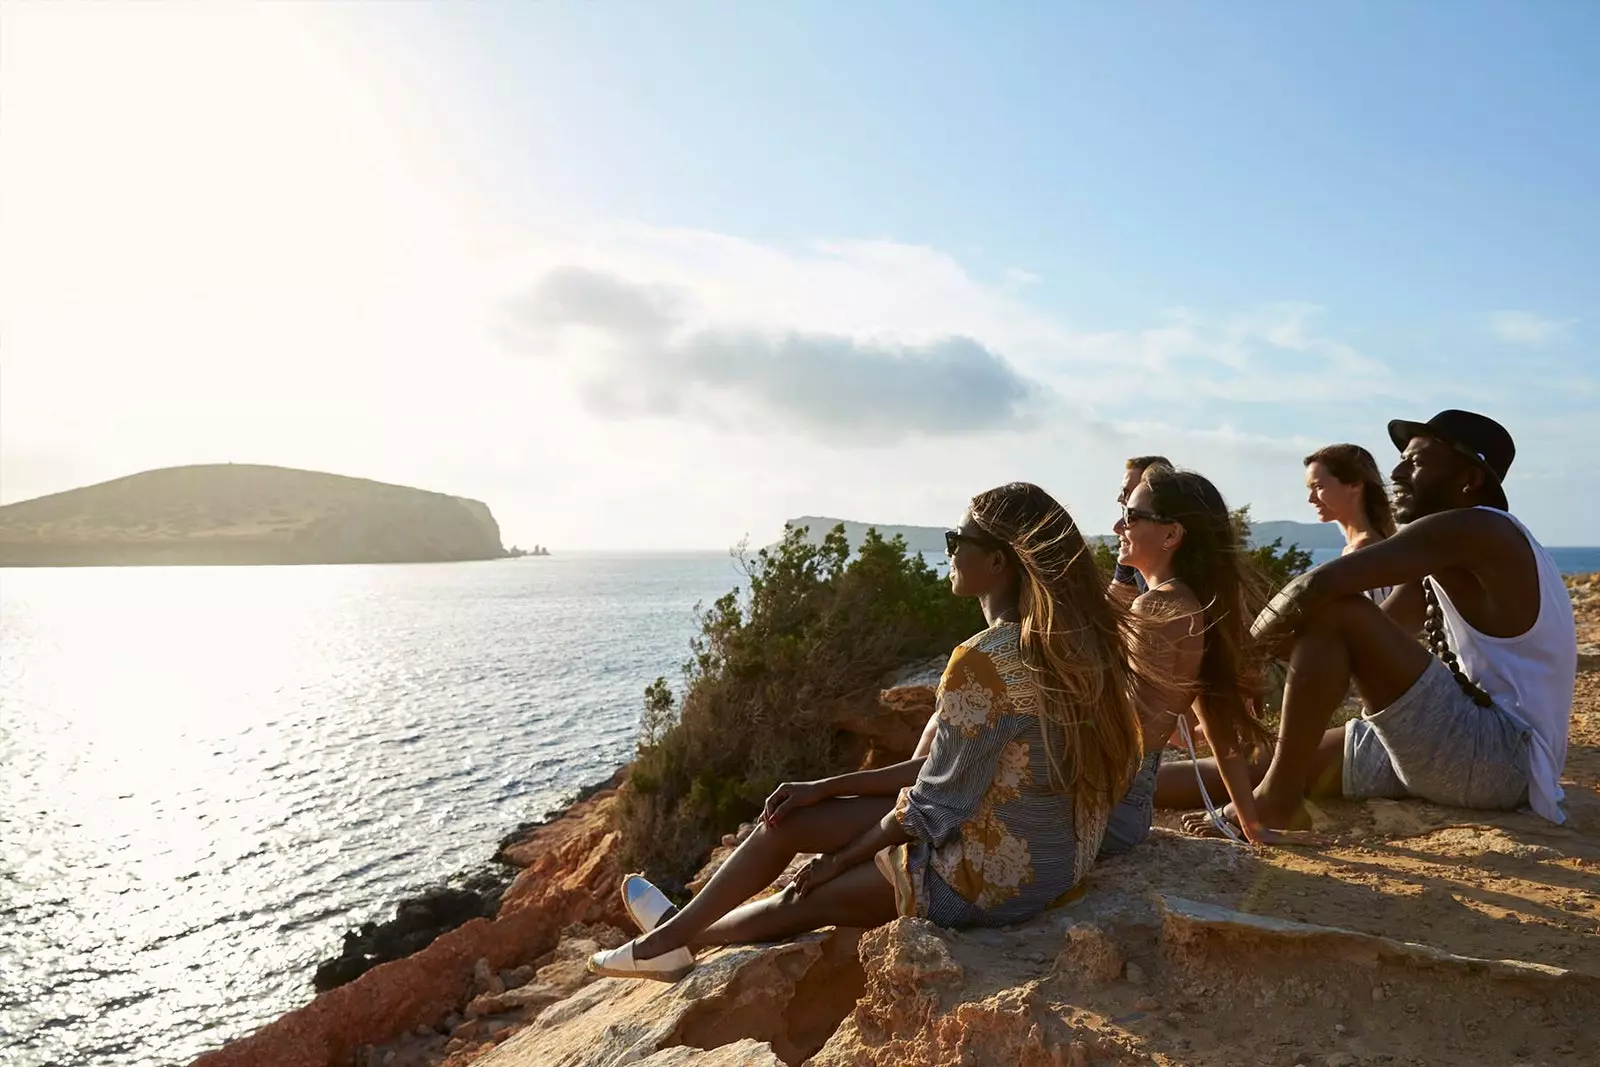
{"x": 1223, "y": 826}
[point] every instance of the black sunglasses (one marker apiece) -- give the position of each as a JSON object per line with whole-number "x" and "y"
{"x": 1131, "y": 515}
{"x": 953, "y": 539}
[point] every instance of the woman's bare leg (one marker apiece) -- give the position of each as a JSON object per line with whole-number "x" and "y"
{"x": 824, "y": 827}
{"x": 861, "y": 896}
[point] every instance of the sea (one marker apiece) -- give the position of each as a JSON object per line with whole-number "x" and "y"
{"x": 208, "y": 775}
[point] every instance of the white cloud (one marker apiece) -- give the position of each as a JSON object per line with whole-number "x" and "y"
{"x": 1525, "y": 327}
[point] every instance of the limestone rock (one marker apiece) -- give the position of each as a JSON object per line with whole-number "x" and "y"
{"x": 1093, "y": 955}
{"x": 745, "y": 1053}
{"x": 924, "y": 1006}
{"x": 790, "y": 996}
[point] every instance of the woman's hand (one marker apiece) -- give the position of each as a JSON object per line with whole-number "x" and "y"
{"x": 789, "y": 796}
{"x": 818, "y": 872}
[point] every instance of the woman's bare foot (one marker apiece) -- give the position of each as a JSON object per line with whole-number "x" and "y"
{"x": 1199, "y": 824}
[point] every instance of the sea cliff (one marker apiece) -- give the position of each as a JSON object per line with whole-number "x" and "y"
{"x": 244, "y": 514}
{"x": 1418, "y": 935}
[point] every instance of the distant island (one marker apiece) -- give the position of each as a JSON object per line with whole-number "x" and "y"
{"x": 1308, "y": 535}
{"x": 245, "y": 514}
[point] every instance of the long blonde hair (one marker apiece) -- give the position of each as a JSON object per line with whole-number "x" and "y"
{"x": 1074, "y": 642}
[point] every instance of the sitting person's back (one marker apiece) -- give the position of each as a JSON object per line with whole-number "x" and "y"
{"x": 1010, "y": 842}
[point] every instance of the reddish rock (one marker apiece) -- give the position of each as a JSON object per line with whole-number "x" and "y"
{"x": 571, "y": 876}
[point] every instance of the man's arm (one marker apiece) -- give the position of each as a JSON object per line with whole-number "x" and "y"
{"x": 1463, "y": 538}
{"x": 1406, "y": 607}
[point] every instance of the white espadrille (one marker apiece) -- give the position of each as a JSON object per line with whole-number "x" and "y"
{"x": 619, "y": 963}
{"x": 646, "y": 904}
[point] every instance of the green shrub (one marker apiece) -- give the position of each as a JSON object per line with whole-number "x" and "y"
{"x": 815, "y": 628}
{"x": 1276, "y": 564}
{"x": 1105, "y": 556}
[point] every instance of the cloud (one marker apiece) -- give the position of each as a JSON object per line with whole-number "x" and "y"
{"x": 1525, "y": 328}
{"x": 640, "y": 350}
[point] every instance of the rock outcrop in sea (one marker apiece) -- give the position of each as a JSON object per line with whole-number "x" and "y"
{"x": 239, "y": 513}
{"x": 1418, "y": 935}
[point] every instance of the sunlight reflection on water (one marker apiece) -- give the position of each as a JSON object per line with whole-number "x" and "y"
{"x": 211, "y": 773}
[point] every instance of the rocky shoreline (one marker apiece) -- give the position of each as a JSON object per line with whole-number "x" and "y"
{"x": 421, "y": 918}
{"x": 1419, "y": 935}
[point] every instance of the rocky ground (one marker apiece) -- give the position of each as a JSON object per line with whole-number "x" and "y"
{"x": 1417, "y": 935}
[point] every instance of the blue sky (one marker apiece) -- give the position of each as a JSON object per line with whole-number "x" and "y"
{"x": 1227, "y": 232}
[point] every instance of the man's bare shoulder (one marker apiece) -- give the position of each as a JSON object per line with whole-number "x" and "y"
{"x": 1484, "y": 524}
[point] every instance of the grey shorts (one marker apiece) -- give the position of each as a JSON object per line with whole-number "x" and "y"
{"x": 1436, "y": 744}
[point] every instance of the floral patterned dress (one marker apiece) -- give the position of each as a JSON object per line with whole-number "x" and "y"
{"x": 991, "y": 842}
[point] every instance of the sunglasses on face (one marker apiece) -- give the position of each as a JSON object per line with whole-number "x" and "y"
{"x": 1131, "y": 515}
{"x": 953, "y": 539}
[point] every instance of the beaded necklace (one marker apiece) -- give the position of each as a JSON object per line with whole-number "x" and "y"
{"x": 1433, "y": 631}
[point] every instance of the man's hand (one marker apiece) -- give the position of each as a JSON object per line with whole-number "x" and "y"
{"x": 789, "y": 796}
{"x": 1278, "y": 624}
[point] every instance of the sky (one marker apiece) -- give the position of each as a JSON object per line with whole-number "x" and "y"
{"x": 663, "y": 274}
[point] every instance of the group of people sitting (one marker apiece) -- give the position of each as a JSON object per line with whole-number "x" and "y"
{"x": 1045, "y": 751}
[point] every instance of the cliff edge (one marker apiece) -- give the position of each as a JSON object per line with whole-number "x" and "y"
{"x": 244, "y": 514}
{"x": 1416, "y": 935}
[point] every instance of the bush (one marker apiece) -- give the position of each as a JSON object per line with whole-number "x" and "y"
{"x": 1276, "y": 564}
{"x": 1105, "y": 556}
{"x": 816, "y": 628}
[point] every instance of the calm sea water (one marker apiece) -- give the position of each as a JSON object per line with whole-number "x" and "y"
{"x": 1570, "y": 560}
{"x": 210, "y": 773}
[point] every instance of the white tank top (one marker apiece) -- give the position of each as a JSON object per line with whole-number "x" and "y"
{"x": 1531, "y": 675}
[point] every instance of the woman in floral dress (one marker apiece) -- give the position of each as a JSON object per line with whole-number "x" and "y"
{"x": 1035, "y": 739}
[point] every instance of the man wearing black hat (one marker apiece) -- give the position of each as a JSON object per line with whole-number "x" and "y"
{"x": 1476, "y": 718}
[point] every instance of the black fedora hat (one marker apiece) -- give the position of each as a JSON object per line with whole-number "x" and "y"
{"x": 1477, "y": 436}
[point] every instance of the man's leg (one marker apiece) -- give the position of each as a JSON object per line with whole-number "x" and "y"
{"x": 824, "y": 827}
{"x": 1350, "y": 638}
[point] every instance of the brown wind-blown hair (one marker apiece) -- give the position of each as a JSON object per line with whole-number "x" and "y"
{"x": 1211, "y": 562}
{"x": 1354, "y": 465}
{"x": 1074, "y": 641}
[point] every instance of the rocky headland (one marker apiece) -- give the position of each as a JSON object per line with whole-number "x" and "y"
{"x": 1418, "y": 935}
{"x": 237, "y": 513}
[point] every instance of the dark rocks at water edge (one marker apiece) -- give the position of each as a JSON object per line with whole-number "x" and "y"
{"x": 417, "y": 921}
{"x": 420, "y": 919}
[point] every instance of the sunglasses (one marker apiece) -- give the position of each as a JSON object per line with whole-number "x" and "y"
{"x": 953, "y": 539}
{"x": 1131, "y": 515}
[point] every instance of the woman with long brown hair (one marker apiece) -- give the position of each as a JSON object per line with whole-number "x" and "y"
{"x": 1203, "y": 595}
{"x": 1343, "y": 485}
{"x": 1036, "y": 738}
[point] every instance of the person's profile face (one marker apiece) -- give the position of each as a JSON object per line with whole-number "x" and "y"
{"x": 1130, "y": 481}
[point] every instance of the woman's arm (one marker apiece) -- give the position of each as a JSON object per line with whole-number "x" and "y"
{"x": 882, "y": 781}
{"x": 869, "y": 843}
{"x": 1235, "y": 771}
{"x": 972, "y": 730}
